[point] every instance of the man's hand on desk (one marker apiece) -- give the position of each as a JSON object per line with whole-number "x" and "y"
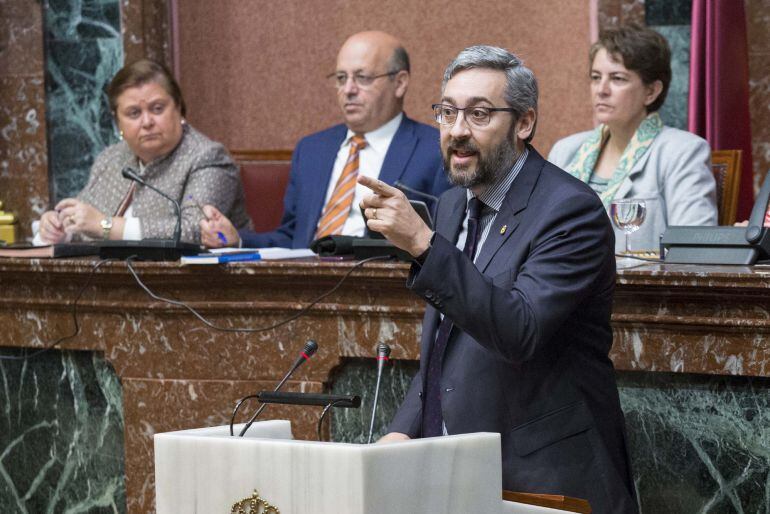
{"x": 393, "y": 437}
{"x": 216, "y": 230}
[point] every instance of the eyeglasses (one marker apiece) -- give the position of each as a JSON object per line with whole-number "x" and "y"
{"x": 476, "y": 116}
{"x": 340, "y": 78}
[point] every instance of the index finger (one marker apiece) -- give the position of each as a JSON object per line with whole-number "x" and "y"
{"x": 67, "y": 202}
{"x": 378, "y": 186}
{"x": 211, "y": 212}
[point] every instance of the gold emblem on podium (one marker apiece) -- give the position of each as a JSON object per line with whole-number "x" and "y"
{"x": 253, "y": 504}
{"x": 8, "y": 226}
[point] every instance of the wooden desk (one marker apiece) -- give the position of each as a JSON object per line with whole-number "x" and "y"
{"x": 176, "y": 373}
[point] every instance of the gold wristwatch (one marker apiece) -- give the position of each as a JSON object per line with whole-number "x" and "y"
{"x": 106, "y": 224}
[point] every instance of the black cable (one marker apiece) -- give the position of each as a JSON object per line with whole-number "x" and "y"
{"x": 238, "y": 406}
{"x": 74, "y": 318}
{"x": 323, "y": 413}
{"x": 245, "y": 329}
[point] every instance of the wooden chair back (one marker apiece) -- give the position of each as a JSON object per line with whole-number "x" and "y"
{"x": 726, "y": 166}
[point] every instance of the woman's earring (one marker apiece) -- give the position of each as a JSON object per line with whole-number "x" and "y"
{"x": 184, "y": 121}
{"x": 120, "y": 135}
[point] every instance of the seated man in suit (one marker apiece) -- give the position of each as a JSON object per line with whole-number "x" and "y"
{"x": 519, "y": 277}
{"x": 377, "y": 140}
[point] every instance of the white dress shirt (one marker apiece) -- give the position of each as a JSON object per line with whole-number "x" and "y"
{"x": 370, "y": 160}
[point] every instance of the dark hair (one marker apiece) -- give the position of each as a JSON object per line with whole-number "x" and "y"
{"x": 142, "y": 72}
{"x": 399, "y": 60}
{"x": 641, "y": 50}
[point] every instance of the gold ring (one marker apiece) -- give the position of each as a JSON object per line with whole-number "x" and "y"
{"x": 71, "y": 219}
{"x": 374, "y": 214}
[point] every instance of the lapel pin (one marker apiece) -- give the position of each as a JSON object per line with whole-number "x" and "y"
{"x": 503, "y": 229}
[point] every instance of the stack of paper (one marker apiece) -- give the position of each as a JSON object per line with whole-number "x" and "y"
{"x": 226, "y": 255}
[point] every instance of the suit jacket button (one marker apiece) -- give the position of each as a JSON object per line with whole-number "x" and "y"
{"x": 419, "y": 394}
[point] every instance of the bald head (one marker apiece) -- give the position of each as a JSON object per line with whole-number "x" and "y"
{"x": 368, "y": 103}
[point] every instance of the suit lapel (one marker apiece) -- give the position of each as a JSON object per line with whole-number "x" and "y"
{"x": 399, "y": 152}
{"x": 628, "y": 182}
{"x": 325, "y": 155}
{"x": 515, "y": 201}
{"x": 449, "y": 224}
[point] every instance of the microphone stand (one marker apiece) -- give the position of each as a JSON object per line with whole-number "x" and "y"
{"x": 150, "y": 249}
{"x": 383, "y": 352}
{"x": 308, "y": 351}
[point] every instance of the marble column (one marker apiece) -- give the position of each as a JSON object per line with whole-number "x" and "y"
{"x": 23, "y": 150}
{"x": 84, "y": 49}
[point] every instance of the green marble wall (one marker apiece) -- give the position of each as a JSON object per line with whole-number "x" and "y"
{"x": 83, "y": 50}
{"x": 698, "y": 443}
{"x": 61, "y": 435}
{"x": 359, "y": 376}
{"x": 672, "y": 19}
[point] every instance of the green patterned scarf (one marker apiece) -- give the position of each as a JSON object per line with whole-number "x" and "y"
{"x": 582, "y": 165}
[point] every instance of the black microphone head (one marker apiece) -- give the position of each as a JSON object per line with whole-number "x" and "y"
{"x": 129, "y": 173}
{"x": 383, "y": 351}
{"x": 310, "y": 348}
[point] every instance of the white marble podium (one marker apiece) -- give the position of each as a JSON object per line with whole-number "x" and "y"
{"x": 207, "y": 471}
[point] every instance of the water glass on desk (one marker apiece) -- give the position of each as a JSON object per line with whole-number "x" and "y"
{"x": 628, "y": 214}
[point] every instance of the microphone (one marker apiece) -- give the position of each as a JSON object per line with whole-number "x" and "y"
{"x": 308, "y": 351}
{"x": 348, "y": 401}
{"x": 149, "y": 249}
{"x": 406, "y": 189}
{"x": 130, "y": 174}
{"x": 383, "y": 352}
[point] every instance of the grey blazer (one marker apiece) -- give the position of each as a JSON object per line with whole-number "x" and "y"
{"x": 197, "y": 170}
{"x": 675, "y": 173}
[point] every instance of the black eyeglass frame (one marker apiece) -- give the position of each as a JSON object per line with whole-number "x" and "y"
{"x": 436, "y": 113}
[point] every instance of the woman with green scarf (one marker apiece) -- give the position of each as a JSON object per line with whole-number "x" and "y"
{"x": 630, "y": 153}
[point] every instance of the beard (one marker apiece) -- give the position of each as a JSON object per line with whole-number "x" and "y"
{"x": 488, "y": 168}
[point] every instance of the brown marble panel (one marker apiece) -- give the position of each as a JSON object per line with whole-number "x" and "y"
{"x": 758, "y": 25}
{"x": 620, "y": 12}
{"x": 21, "y": 38}
{"x": 758, "y": 29}
{"x": 145, "y": 26}
{"x": 273, "y": 65}
{"x": 699, "y": 318}
{"x": 759, "y": 107}
{"x": 23, "y": 150}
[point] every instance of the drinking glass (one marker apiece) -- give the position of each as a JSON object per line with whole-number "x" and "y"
{"x": 628, "y": 215}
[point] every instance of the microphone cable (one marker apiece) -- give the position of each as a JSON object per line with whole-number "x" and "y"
{"x": 250, "y": 330}
{"x": 59, "y": 341}
{"x": 641, "y": 258}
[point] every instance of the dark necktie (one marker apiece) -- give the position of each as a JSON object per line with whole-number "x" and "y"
{"x": 432, "y": 418}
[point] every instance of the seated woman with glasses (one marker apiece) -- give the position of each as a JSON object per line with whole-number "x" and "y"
{"x": 630, "y": 153}
{"x": 159, "y": 146}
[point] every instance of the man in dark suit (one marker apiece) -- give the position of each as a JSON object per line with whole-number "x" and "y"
{"x": 371, "y": 80}
{"x": 519, "y": 278}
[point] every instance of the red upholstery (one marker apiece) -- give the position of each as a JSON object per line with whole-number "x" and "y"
{"x": 264, "y": 184}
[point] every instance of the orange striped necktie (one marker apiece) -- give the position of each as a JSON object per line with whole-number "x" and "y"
{"x": 338, "y": 207}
